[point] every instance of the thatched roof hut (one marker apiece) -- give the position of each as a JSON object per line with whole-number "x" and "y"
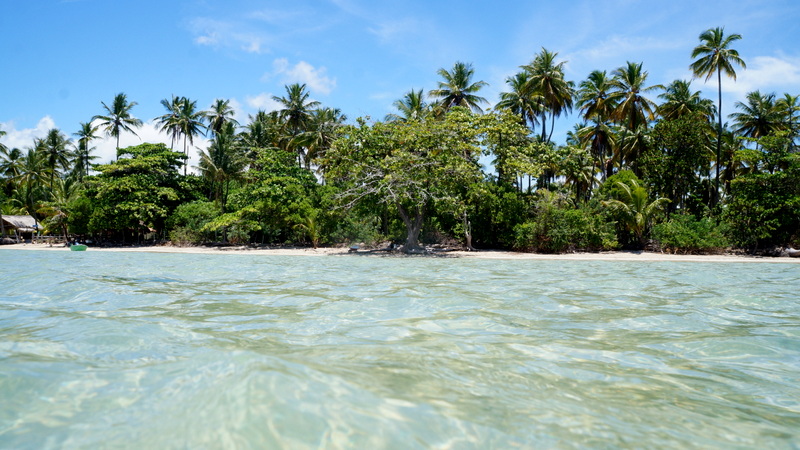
{"x": 19, "y": 225}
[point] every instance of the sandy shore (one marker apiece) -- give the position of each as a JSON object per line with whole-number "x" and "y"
{"x": 485, "y": 254}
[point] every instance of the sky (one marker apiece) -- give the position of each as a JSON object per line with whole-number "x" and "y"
{"x": 62, "y": 58}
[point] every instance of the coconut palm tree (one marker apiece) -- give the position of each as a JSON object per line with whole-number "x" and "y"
{"x": 222, "y": 163}
{"x": 83, "y": 157}
{"x": 458, "y": 89}
{"x": 30, "y": 183}
{"x": 220, "y": 114}
{"x": 296, "y": 114}
{"x": 715, "y": 56}
{"x": 118, "y": 117}
{"x": 411, "y": 107}
{"x": 321, "y": 132}
{"x": 679, "y": 100}
{"x": 190, "y": 123}
{"x": 170, "y": 122}
{"x": 634, "y": 208}
{"x": 521, "y": 100}
{"x": 547, "y": 81}
{"x": 54, "y": 145}
{"x": 788, "y": 105}
{"x": 632, "y": 107}
{"x": 758, "y": 117}
{"x": 593, "y": 99}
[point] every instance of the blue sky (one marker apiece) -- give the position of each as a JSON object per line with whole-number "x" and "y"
{"x": 61, "y": 58}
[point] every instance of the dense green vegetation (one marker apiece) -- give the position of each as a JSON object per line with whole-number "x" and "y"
{"x": 647, "y": 166}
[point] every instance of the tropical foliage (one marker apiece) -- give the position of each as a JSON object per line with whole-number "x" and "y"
{"x": 645, "y": 166}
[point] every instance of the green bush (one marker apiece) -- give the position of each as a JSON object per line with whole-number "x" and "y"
{"x": 686, "y": 234}
{"x": 186, "y": 223}
{"x": 559, "y": 227}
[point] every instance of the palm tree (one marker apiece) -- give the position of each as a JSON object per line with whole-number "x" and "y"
{"x": 759, "y": 117}
{"x": 170, "y": 122}
{"x": 457, "y": 89}
{"x": 321, "y": 132}
{"x": 547, "y": 80}
{"x": 56, "y": 209}
{"x": 190, "y": 123}
{"x": 715, "y": 55}
{"x": 30, "y": 184}
{"x": 220, "y": 113}
{"x": 296, "y": 113}
{"x": 521, "y": 100}
{"x": 56, "y": 152}
{"x": 632, "y": 107}
{"x": 593, "y": 99}
{"x": 222, "y": 163}
{"x": 83, "y": 157}
{"x": 635, "y": 209}
{"x": 788, "y": 105}
{"x": 118, "y": 117}
{"x": 679, "y": 100}
{"x": 411, "y": 107}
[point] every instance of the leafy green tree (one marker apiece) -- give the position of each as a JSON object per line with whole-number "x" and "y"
{"x": 117, "y": 117}
{"x": 458, "y": 89}
{"x": 410, "y": 166}
{"x": 321, "y": 132}
{"x": 137, "y": 192}
{"x": 715, "y": 55}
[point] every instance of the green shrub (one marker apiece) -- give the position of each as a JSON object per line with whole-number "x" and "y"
{"x": 559, "y": 227}
{"x": 686, "y": 234}
{"x": 187, "y": 221}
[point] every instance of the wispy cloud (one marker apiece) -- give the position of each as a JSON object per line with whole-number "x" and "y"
{"x": 316, "y": 79}
{"x": 262, "y": 101}
{"x": 23, "y": 138}
{"x": 767, "y": 73}
{"x": 219, "y": 33}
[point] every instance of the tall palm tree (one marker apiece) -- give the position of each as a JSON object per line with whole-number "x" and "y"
{"x": 521, "y": 100}
{"x": 593, "y": 98}
{"x": 632, "y": 107}
{"x": 679, "y": 100}
{"x": 458, "y": 89}
{"x": 411, "y": 107}
{"x": 83, "y": 157}
{"x": 57, "y": 154}
{"x": 30, "y": 182}
{"x": 118, "y": 117}
{"x": 716, "y": 56}
{"x": 547, "y": 80}
{"x": 220, "y": 113}
{"x": 321, "y": 132}
{"x": 788, "y": 105}
{"x": 759, "y": 117}
{"x": 222, "y": 163}
{"x": 190, "y": 123}
{"x": 296, "y": 113}
{"x": 170, "y": 121}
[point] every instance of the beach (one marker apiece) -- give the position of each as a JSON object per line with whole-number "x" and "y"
{"x": 482, "y": 254}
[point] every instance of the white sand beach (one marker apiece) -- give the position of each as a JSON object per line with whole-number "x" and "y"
{"x": 483, "y": 254}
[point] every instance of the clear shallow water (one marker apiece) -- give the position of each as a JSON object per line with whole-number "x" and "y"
{"x": 249, "y": 351}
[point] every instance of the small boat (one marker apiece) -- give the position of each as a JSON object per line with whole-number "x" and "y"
{"x": 78, "y": 247}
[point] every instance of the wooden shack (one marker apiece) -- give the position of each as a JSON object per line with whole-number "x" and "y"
{"x": 18, "y": 228}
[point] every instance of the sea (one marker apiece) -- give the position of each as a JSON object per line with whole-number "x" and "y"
{"x": 146, "y": 350}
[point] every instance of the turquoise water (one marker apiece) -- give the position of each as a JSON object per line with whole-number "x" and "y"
{"x": 146, "y": 350}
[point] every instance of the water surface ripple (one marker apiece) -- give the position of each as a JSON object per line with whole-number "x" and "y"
{"x": 249, "y": 351}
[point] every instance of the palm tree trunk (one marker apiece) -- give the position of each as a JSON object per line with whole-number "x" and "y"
{"x": 719, "y": 132}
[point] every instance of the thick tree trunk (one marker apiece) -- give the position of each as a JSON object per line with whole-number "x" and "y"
{"x": 413, "y": 227}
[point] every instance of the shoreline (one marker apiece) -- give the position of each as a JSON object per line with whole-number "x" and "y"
{"x": 481, "y": 254}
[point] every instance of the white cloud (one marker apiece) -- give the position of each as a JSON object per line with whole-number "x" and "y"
{"x": 767, "y": 74}
{"x": 105, "y": 147}
{"x": 303, "y": 72}
{"x": 24, "y": 138}
{"x": 262, "y": 101}
{"x": 217, "y": 33}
